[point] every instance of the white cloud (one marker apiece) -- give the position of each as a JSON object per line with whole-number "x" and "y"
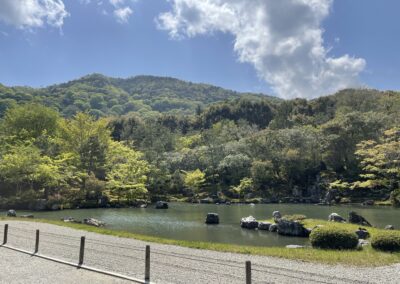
{"x": 116, "y": 3}
{"x": 33, "y": 13}
{"x": 283, "y": 40}
{"x": 123, "y": 14}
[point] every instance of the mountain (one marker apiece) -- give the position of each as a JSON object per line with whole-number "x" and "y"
{"x": 104, "y": 96}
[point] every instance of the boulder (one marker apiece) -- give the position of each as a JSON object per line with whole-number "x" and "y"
{"x": 362, "y": 233}
{"x": 354, "y": 218}
{"x": 161, "y": 205}
{"x": 143, "y": 205}
{"x": 368, "y": 203}
{"x": 212, "y": 218}
{"x": 264, "y": 226}
{"x": 334, "y": 217}
{"x": 276, "y": 215}
{"x": 362, "y": 243}
{"x": 70, "y": 220}
{"x": 207, "y": 200}
{"x": 294, "y": 246}
{"x": 292, "y": 228}
{"x": 27, "y": 216}
{"x": 93, "y": 222}
{"x": 249, "y": 223}
{"x": 273, "y": 228}
{"x": 11, "y": 213}
{"x": 389, "y": 227}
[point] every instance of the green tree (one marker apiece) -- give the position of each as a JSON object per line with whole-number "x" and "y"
{"x": 194, "y": 180}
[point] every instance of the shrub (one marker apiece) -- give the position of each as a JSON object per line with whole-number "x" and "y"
{"x": 395, "y": 197}
{"x": 328, "y": 237}
{"x": 386, "y": 241}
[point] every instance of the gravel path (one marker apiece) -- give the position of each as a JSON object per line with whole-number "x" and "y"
{"x": 169, "y": 264}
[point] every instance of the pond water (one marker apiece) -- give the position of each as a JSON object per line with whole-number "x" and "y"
{"x": 184, "y": 221}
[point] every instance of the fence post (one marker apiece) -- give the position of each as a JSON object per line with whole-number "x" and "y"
{"x": 147, "y": 265}
{"x": 5, "y": 234}
{"x": 82, "y": 251}
{"x": 37, "y": 242}
{"x": 248, "y": 272}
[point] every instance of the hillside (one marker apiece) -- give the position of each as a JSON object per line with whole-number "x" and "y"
{"x": 105, "y": 96}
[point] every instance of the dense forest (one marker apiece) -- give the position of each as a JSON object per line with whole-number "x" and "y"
{"x": 101, "y": 141}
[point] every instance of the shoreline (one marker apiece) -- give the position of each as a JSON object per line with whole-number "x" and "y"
{"x": 360, "y": 258}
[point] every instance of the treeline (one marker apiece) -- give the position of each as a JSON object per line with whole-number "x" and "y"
{"x": 243, "y": 149}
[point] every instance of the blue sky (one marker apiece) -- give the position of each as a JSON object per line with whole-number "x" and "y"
{"x": 187, "y": 40}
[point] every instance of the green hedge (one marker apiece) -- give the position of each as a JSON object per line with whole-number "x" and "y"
{"x": 333, "y": 238}
{"x": 386, "y": 241}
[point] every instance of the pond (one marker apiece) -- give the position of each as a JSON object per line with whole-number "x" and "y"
{"x": 185, "y": 221}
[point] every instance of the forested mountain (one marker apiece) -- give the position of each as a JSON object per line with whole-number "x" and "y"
{"x": 104, "y": 96}
{"x": 173, "y": 139}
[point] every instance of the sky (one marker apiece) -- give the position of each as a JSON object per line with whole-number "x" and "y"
{"x": 287, "y": 48}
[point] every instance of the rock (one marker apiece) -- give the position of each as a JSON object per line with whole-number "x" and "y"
{"x": 161, "y": 205}
{"x": 389, "y": 227}
{"x": 331, "y": 196}
{"x": 354, "y": 218}
{"x": 93, "y": 222}
{"x": 212, "y": 218}
{"x": 27, "y": 216}
{"x": 292, "y": 228}
{"x": 368, "y": 203}
{"x": 276, "y": 215}
{"x": 38, "y": 205}
{"x": 143, "y": 205}
{"x": 273, "y": 228}
{"x": 11, "y": 213}
{"x": 362, "y": 233}
{"x": 207, "y": 200}
{"x": 249, "y": 223}
{"x": 264, "y": 226}
{"x": 70, "y": 220}
{"x": 294, "y": 246}
{"x": 362, "y": 243}
{"x": 334, "y": 217}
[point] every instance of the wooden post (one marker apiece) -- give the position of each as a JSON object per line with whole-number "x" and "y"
{"x": 82, "y": 251}
{"x": 37, "y": 242}
{"x": 147, "y": 265}
{"x": 248, "y": 272}
{"x": 5, "y": 234}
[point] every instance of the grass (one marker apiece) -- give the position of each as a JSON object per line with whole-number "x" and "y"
{"x": 366, "y": 257}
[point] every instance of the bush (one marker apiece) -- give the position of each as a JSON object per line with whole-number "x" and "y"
{"x": 386, "y": 241}
{"x": 333, "y": 238}
{"x": 395, "y": 197}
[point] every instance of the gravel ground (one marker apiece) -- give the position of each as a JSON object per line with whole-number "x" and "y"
{"x": 169, "y": 264}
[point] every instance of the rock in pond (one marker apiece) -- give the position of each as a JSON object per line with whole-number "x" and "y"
{"x": 355, "y": 218}
{"x": 389, "y": 227}
{"x": 273, "y": 228}
{"x": 335, "y": 217}
{"x": 212, "y": 218}
{"x": 362, "y": 243}
{"x": 161, "y": 205}
{"x": 292, "y": 228}
{"x": 11, "y": 213}
{"x": 362, "y": 233}
{"x": 264, "y": 226}
{"x": 368, "y": 203}
{"x": 93, "y": 222}
{"x": 276, "y": 215}
{"x": 27, "y": 216}
{"x": 249, "y": 223}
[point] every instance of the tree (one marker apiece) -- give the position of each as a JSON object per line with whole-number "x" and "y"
{"x": 126, "y": 171}
{"x": 194, "y": 180}
{"x": 245, "y": 186}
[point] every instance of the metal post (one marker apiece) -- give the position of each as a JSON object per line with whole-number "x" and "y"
{"x": 5, "y": 234}
{"x": 37, "y": 242}
{"x": 248, "y": 272}
{"x": 82, "y": 251}
{"x": 147, "y": 265}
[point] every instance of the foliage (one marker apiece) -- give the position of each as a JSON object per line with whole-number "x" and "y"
{"x": 194, "y": 180}
{"x": 333, "y": 238}
{"x": 386, "y": 241}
